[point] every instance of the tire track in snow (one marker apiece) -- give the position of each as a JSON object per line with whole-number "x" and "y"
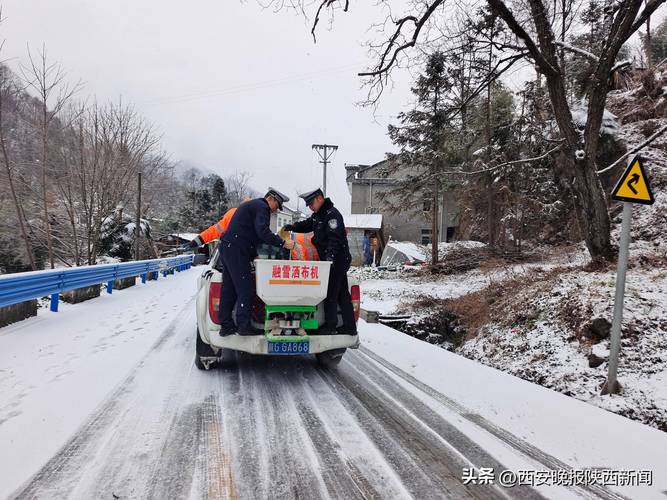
{"x": 524, "y": 447}
{"x": 174, "y": 471}
{"x": 263, "y": 427}
{"x": 430, "y": 419}
{"x": 61, "y": 473}
{"x": 428, "y": 468}
{"x": 292, "y": 460}
{"x": 126, "y": 459}
{"x": 216, "y": 480}
{"x": 341, "y": 477}
{"x": 362, "y": 461}
{"x": 244, "y": 432}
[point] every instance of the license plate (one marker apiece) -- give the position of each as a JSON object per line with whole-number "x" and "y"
{"x": 292, "y": 347}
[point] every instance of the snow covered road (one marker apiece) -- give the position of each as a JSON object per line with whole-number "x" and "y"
{"x": 138, "y": 420}
{"x": 262, "y": 428}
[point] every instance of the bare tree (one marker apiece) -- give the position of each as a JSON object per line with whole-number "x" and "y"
{"x": 109, "y": 145}
{"x": 48, "y": 81}
{"x": 10, "y": 90}
{"x": 238, "y": 187}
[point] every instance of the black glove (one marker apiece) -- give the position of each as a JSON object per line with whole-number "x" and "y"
{"x": 288, "y": 227}
{"x": 197, "y": 242}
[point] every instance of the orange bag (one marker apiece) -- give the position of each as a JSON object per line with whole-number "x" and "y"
{"x": 304, "y": 248}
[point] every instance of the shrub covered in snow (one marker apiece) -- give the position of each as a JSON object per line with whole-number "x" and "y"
{"x": 117, "y": 235}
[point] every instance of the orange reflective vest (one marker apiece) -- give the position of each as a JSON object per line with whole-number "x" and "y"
{"x": 216, "y": 230}
{"x": 304, "y": 248}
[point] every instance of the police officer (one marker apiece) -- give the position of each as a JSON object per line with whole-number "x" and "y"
{"x": 214, "y": 232}
{"x": 248, "y": 228}
{"x": 330, "y": 239}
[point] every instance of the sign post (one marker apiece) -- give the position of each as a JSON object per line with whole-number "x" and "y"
{"x": 633, "y": 187}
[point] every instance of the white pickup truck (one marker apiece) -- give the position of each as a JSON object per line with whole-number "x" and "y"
{"x": 288, "y": 307}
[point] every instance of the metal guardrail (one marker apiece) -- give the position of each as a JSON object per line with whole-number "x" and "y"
{"x": 20, "y": 287}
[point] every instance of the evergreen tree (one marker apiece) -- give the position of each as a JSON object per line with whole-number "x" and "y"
{"x": 658, "y": 42}
{"x": 579, "y": 67}
{"x": 219, "y": 195}
{"x": 421, "y": 137}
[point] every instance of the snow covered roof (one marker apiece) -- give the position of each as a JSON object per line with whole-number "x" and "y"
{"x": 364, "y": 221}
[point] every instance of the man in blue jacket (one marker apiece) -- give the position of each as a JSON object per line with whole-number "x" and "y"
{"x": 248, "y": 228}
{"x": 330, "y": 239}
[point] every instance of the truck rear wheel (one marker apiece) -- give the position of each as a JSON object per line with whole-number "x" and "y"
{"x": 205, "y": 351}
{"x": 330, "y": 359}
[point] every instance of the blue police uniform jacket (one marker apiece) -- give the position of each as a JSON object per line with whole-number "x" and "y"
{"x": 250, "y": 226}
{"x": 329, "y": 236}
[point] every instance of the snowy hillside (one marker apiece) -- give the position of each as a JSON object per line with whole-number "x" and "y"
{"x": 548, "y": 321}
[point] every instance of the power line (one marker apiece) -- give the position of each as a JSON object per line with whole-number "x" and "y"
{"x": 251, "y": 86}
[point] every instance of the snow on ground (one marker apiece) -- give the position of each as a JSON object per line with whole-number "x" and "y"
{"x": 387, "y": 296}
{"x": 547, "y": 344}
{"x": 539, "y": 334}
{"x": 574, "y": 432}
{"x": 551, "y": 348}
{"x": 56, "y": 368}
{"x": 391, "y": 291}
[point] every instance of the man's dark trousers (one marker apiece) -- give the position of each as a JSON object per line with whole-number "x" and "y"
{"x": 339, "y": 293}
{"x": 236, "y": 287}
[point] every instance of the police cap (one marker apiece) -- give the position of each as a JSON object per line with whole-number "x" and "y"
{"x": 280, "y": 197}
{"x": 311, "y": 195}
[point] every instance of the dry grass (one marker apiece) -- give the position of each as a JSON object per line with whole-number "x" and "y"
{"x": 504, "y": 302}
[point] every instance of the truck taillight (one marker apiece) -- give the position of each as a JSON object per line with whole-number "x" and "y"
{"x": 355, "y": 292}
{"x": 214, "y": 302}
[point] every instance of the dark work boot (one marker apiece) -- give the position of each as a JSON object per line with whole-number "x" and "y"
{"x": 249, "y": 330}
{"x": 227, "y": 330}
{"x": 326, "y": 330}
{"x": 346, "y": 330}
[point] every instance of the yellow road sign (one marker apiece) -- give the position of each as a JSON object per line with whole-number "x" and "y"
{"x": 633, "y": 185}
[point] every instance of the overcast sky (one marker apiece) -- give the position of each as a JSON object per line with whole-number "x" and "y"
{"x": 231, "y": 86}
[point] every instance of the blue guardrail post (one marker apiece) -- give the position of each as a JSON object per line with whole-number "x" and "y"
{"x": 54, "y": 302}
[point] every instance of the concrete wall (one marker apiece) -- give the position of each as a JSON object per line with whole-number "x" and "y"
{"x": 81, "y": 294}
{"x": 121, "y": 283}
{"x": 402, "y": 226}
{"x": 279, "y": 219}
{"x": 17, "y": 312}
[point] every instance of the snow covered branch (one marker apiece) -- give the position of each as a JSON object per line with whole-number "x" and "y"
{"x": 509, "y": 163}
{"x": 635, "y": 149}
{"x": 620, "y": 65}
{"x": 650, "y": 7}
{"x": 579, "y": 51}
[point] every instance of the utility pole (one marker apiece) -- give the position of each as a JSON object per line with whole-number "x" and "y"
{"x": 297, "y": 202}
{"x": 325, "y": 151}
{"x": 138, "y": 223}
